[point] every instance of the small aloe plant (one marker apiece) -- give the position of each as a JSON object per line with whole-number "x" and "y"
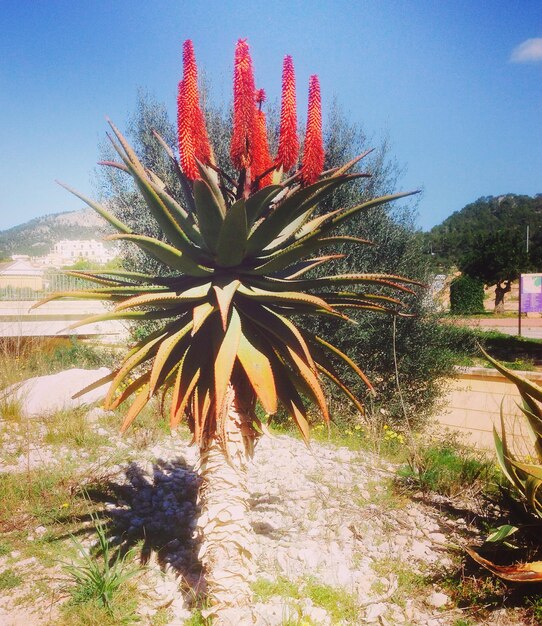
{"x": 524, "y": 475}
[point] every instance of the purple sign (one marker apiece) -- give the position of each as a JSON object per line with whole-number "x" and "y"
{"x": 530, "y": 286}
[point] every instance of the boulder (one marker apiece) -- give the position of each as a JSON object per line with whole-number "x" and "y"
{"x": 44, "y": 395}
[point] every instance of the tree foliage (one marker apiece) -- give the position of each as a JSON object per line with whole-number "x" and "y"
{"x": 490, "y": 224}
{"x": 466, "y": 296}
{"x": 499, "y": 256}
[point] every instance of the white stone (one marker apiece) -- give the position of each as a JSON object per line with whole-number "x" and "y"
{"x": 438, "y": 599}
{"x": 374, "y": 611}
{"x": 44, "y": 395}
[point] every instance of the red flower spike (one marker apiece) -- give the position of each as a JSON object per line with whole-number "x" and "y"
{"x": 288, "y": 141}
{"x": 313, "y": 151}
{"x": 261, "y": 158}
{"x": 190, "y": 77}
{"x": 244, "y": 109}
{"x": 185, "y": 135}
{"x": 193, "y": 137}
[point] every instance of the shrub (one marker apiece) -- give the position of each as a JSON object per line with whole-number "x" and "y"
{"x": 466, "y": 296}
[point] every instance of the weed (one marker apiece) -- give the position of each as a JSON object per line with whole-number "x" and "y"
{"x": 100, "y": 578}
{"x": 473, "y": 591}
{"x": 93, "y": 612}
{"x": 283, "y": 587}
{"x": 449, "y": 469}
{"x": 162, "y": 617}
{"x": 9, "y": 579}
{"x": 72, "y": 428}
{"x": 535, "y": 606}
{"x": 381, "y": 492}
{"x": 10, "y": 409}
{"x": 5, "y": 548}
{"x": 340, "y": 604}
{"x": 197, "y": 619}
{"x": 408, "y": 580}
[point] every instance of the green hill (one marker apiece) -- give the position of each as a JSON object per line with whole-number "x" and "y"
{"x": 459, "y": 235}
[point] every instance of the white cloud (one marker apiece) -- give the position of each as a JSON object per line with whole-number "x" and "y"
{"x": 530, "y": 51}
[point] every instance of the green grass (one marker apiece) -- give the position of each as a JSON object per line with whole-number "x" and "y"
{"x": 409, "y": 582}
{"x": 9, "y": 579}
{"x": 72, "y": 428}
{"x": 91, "y": 612}
{"x": 449, "y": 469}
{"x": 264, "y": 589}
{"x": 341, "y": 605}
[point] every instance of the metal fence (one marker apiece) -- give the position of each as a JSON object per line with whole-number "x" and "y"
{"x": 52, "y": 282}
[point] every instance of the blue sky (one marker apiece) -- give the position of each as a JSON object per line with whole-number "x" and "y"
{"x": 455, "y": 85}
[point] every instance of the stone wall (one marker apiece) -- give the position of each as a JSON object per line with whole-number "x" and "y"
{"x": 473, "y": 406}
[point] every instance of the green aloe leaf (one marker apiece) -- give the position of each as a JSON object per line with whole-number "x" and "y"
{"x": 224, "y": 296}
{"x": 501, "y": 533}
{"x": 346, "y": 359}
{"x": 116, "y": 223}
{"x": 209, "y": 214}
{"x": 259, "y": 202}
{"x": 166, "y": 215}
{"x": 166, "y": 348}
{"x": 291, "y": 208}
{"x": 233, "y": 236}
{"x": 294, "y": 252}
{"x": 173, "y": 299}
{"x": 211, "y": 178}
{"x": 170, "y": 256}
{"x": 290, "y": 399}
{"x": 142, "y": 316}
{"x": 387, "y": 280}
{"x": 284, "y": 297}
{"x": 342, "y": 386}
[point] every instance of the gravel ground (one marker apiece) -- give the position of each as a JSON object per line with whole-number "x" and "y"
{"x": 321, "y": 515}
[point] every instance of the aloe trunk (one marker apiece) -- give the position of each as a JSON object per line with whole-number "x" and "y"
{"x": 223, "y": 527}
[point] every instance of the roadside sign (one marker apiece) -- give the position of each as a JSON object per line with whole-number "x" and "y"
{"x": 530, "y": 289}
{"x": 530, "y": 295}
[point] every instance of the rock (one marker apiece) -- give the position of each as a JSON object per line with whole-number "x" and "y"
{"x": 43, "y": 395}
{"x": 40, "y": 531}
{"x": 97, "y": 413}
{"x": 438, "y": 599}
{"x": 374, "y": 612}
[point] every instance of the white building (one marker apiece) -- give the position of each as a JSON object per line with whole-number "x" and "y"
{"x": 68, "y": 252}
{"x": 20, "y": 273}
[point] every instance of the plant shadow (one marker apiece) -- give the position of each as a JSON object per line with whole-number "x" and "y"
{"x": 153, "y": 511}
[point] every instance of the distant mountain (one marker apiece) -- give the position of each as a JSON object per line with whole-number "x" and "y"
{"x": 462, "y": 233}
{"x": 38, "y": 236}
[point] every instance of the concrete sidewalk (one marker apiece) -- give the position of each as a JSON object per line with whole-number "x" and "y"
{"x": 53, "y": 319}
{"x": 530, "y": 326}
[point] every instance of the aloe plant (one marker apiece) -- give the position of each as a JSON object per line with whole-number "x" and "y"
{"x": 524, "y": 474}
{"x": 237, "y": 258}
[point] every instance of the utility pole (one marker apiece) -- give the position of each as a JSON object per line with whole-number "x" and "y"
{"x": 527, "y": 238}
